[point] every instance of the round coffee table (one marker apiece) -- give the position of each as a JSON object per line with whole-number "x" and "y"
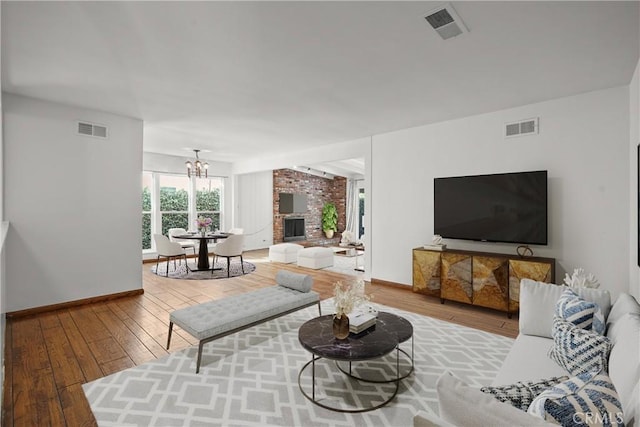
{"x": 389, "y": 332}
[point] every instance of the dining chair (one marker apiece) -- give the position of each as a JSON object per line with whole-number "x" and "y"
{"x": 229, "y": 248}
{"x": 169, "y": 250}
{"x": 212, "y": 246}
{"x": 173, "y": 232}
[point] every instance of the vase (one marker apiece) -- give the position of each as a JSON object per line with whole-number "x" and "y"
{"x": 329, "y": 234}
{"x": 203, "y": 232}
{"x": 341, "y": 326}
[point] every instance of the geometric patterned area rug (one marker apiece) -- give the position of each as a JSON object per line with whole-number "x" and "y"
{"x": 251, "y": 379}
{"x": 180, "y": 271}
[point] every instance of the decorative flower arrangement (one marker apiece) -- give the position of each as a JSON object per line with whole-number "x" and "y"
{"x": 348, "y": 296}
{"x": 580, "y": 279}
{"x": 203, "y": 223}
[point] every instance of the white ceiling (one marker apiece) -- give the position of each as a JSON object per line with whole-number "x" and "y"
{"x": 247, "y": 79}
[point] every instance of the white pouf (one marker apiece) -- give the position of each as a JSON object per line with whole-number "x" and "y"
{"x": 284, "y": 252}
{"x": 315, "y": 257}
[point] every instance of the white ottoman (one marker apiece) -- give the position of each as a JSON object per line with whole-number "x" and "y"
{"x": 284, "y": 252}
{"x": 315, "y": 257}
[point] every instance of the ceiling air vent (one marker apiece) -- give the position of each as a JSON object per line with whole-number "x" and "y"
{"x": 92, "y": 129}
{"x": 446, "y": 22}
{"x": 521, "y": 128}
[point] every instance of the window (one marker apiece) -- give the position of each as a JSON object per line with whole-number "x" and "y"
{"x": 147, "y": 185}
{"x": 208, "y": 191}
{"x": 174, "y": 202}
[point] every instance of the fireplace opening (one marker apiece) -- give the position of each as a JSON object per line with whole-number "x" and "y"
{"x": 293, "y": 229}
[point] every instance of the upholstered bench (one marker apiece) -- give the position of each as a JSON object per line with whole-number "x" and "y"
{"x": 315, "y": 257}
{"x": 216, "y": 319}
{"x": 284, "y": 252}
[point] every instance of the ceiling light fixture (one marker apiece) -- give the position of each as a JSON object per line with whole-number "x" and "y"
{"x": 316, "y": 172}
{"x": 197, "y": 167}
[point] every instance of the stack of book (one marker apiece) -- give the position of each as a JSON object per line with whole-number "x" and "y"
{"x": 359, "y": 321}
{"x": 435, "y": 247}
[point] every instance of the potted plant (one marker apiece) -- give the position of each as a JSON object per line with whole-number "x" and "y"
{"x": 329, "y": 219}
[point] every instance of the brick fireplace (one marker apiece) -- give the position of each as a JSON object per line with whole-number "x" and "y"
{"x": 318, "y": 190}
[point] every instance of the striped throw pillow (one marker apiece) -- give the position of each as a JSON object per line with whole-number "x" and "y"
{"x": 586, "y": 399}
{"x": 584, "y": 314}
{"x": 578, "y": 350}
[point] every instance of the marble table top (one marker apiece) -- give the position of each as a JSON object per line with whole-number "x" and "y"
{"x": 316, "y": 336}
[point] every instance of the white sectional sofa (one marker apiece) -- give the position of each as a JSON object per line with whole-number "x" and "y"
{"x": 528, "y": 360}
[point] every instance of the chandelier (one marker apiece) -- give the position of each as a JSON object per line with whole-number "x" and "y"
{"x": 197, "y": 167}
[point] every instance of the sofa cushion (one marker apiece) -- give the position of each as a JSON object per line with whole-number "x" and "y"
{"x": 624, "y": 360}
{"x": 534, "y": 350}
{"x": 521, "y": 394}
{"x": 586, "y": 399}
{"x": 462, "y": 405}
{"x": 583, "y": 314}
{"x": 624, "y": 304}
{"x": 578, "y": 350}
{"x": 538, "y": 304}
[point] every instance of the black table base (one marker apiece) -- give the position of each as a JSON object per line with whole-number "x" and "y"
{"x": 313, "y": 399}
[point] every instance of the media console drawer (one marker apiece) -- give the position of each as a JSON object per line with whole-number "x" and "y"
{"x": 479, "y": 278}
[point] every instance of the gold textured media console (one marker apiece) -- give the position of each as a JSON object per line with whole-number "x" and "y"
{"x": 478, "y": 278}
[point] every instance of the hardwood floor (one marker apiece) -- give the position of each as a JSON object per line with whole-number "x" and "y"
{"x": 49, "y": 356}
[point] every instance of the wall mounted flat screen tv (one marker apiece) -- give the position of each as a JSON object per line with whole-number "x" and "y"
{"x": 506, "y": 207}
{"x": 293, "y": 203}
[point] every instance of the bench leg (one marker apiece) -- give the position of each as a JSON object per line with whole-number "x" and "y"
{"x": 200, "y": 345}
{"x": 169, "y": 337}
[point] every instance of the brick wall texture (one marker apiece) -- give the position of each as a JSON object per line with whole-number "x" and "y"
{"x": 318, "y": 190}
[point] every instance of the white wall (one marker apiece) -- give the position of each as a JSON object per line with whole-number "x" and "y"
{"x": 3, "y": 310}
{"x": 73, "y": 203}
{"x": 254, "y": 213}
{"x": 634, "y": 140}
{"x": 583, "y": 143}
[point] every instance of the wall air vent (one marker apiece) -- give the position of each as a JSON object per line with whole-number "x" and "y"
{"x": 521, "y": 128}
{"x": 446, "y": 22}
{"x": 92, "y": 129}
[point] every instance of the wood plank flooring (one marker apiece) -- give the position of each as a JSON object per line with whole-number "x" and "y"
{"x": 50, "y": 355}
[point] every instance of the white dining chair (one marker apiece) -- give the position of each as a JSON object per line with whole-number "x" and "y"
{"x": 169, "y": 250}
{"x": 229, "y": 248}
{"x": 186, "y": 244}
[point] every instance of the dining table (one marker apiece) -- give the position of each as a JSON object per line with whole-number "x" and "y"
{"x": 203, "y": 251}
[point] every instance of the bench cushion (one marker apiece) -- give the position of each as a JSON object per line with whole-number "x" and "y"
{"x": 216, "y": 317}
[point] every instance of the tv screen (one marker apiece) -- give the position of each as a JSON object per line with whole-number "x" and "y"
{"x": 507, "y": 207}
{"x": 293, "y": 203}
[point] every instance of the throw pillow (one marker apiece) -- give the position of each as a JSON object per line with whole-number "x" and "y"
{"x": 521, "y": 394}
{"x": 538, "y": 303}
{"x": 463, "y": 405}
{"x": 578, "y": 350}
{"x": 297, "y": 281}
{"x": 586, "y": 399}
{"x": 584, "y": 314}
